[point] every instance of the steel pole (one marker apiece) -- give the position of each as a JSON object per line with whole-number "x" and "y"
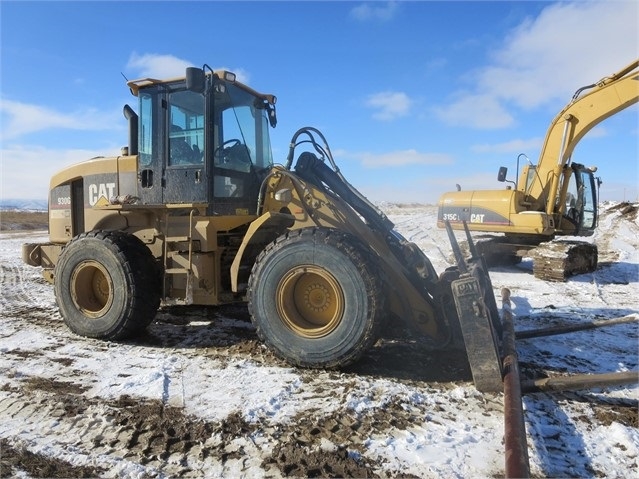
{"x": 517, "y": 464}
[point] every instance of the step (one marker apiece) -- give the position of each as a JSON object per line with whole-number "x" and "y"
{"x": 177, "y": 239}
{"x": 176, "y": 271}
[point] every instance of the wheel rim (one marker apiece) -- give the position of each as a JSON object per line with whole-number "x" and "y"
{"x": 310, "y": 302}
{"x": 91, "y": 289}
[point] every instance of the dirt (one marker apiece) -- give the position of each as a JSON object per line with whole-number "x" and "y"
{"x": 160, "y": 436}
{"x": 626, "y": 209}
{"x": 171, "y": 443}
{"x": 163, "y": 437}
{"x": 23, "y": 220}
{"x": 38, "y": 465}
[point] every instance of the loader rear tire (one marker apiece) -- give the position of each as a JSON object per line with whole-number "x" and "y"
{"x": 315, "y": 297}
{"x": 106, "y": 285}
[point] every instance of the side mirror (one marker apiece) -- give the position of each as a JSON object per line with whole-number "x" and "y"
{"x": 501, "y": 176}
{"x": 195, "y": 79}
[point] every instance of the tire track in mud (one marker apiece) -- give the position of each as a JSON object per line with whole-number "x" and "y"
{"x": 415, "y": 232}
{"x": 127, "y": 435}
{"x": 121, "y": 435}
{"x": 18, "y": 460}
{"x": 24, "y": 293}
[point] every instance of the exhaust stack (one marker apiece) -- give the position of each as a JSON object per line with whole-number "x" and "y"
{"x": 132, "y": 116}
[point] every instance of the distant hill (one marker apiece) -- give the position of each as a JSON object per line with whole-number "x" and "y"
{"x": 23, "y": 205}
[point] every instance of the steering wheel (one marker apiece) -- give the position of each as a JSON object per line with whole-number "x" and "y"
{"x": 223, "y": 153}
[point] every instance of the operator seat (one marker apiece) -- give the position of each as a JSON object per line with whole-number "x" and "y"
{"x": 180, "y": 151}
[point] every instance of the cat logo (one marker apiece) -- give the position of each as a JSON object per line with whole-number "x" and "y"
{"x": 101, "y": 193}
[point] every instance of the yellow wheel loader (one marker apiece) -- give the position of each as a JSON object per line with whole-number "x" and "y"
{"x": 195, "y": 212}
{"x": 556, "y": 197}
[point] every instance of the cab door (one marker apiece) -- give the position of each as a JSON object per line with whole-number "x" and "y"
{"x": 580, "y": 209}
{"x": 185, "y": 179}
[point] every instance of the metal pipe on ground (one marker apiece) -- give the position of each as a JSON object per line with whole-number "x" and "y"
{"x": 580, "y": 381}
{"x": 571, "y": 328}
{"x": 517, "y": 463}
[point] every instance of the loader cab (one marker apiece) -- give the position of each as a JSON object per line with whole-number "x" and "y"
{"x": 203, "y": 142}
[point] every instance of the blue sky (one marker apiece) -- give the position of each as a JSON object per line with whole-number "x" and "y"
{"x": 413, "y": 97}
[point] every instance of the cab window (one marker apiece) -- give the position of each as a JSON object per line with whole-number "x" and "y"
{"x": 186, "y": 128}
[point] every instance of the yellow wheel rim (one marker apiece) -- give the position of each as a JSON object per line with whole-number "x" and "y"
{"x": 310, "y": 301}
{"x": 92, "y": 289}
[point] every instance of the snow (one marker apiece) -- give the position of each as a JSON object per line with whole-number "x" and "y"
{"x": 446, "y": 429}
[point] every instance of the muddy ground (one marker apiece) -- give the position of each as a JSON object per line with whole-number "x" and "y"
{"x": 61, "y": 421}
{"x": 163, "y": 437}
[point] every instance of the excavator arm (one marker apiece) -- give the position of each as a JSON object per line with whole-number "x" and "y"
{"x": 601, "y": 100}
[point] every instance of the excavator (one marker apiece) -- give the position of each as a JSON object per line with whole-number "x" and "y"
{"x": 556, "y": 197}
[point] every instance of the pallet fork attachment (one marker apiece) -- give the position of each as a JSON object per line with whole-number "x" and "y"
{"x": 478, "y": 316}
{"x": 496, "y": 369}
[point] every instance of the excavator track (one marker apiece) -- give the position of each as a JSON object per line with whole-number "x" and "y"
{"x": 557, "y": 260}
{"x": 552, "y": 261}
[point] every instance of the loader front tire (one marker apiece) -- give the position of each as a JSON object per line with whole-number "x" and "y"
{"x": 106, "y": 285}
{"x": 315, "y": 297}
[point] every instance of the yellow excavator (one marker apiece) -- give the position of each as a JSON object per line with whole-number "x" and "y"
{"x": 555, "y": 197}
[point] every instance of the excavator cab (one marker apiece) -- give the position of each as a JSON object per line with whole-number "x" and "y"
{"x": 577, "y": 203}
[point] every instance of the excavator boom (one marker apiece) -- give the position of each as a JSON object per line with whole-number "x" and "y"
{"x": 603, "y": 99}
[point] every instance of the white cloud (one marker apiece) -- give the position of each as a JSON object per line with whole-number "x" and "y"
{"x": 366, "y": 11}
{"x": 27, "y": 169}
{"x": 480, "y": 111}
{"x": 19, "y": 119}
{"x": 567, "y": 46}
{"x": 389, "y": 105}
{"x": 23, "y": 118}
{"x": 241, "y": 75}
{"x": 513, "y": 146}
{"x": 545, "y": 59}
{"x": 599, "y": 131}
{"x": 153, "y": 65}
{"x": 401, "y": 158}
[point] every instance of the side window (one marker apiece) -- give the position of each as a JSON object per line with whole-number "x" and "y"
{"x": 186, "y": 128}
{"x": 145, "y": 128}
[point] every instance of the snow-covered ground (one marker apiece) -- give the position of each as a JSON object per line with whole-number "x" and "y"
{"x": 199, "y": 396}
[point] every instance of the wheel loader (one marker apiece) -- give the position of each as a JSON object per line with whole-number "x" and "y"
{"x": 195, "y": 212}
{"x": 554, "y": 198}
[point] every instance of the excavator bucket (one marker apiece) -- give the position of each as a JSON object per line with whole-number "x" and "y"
{"x": 478, "y": 316}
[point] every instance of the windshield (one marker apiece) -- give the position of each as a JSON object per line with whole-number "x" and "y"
{"x": 242, "y": 137}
